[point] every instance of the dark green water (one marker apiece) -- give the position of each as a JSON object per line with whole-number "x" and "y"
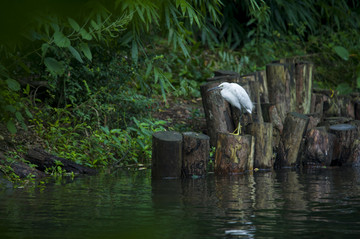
{"x": 322, "y": 203}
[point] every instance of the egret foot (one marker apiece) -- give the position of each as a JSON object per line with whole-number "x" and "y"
{"x": 237, "y": 131}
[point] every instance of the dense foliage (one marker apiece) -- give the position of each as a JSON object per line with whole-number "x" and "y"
{"x": 85, "y": 75}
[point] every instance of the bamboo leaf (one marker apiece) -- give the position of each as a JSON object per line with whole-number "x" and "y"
{"x": 134, "y": 51}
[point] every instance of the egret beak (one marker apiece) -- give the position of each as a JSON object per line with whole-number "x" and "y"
{"x": 215, "y": 88}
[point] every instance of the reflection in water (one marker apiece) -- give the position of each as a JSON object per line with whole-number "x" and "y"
{"x": 267, "y": 204}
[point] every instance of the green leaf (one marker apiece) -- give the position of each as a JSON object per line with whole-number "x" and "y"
{"x": 86, "y": 50}
{"x": 10, "y": 125}
{"x": 61, "y": 40}
{"x": 53, "y": 66}
{"x": 134, "y": 51}
{"x": 358, "y": 82}
{"x": 74, "y": 24}
{"x": 75, "y": 54}
{"x": 342, "y": 52}
{"x": 85, "y": 35}
{"x": 13, "y": 84}
{"x": 28, "y": 113}
{"x": 19, "y": 116}
{"x": 10, "y": 108}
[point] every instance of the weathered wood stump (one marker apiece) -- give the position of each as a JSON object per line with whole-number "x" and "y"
{"x": 317, "y": 103}
{"x": 260, "y": 76}
{"x": 270, "y": 114}
{"x": 295, "y": 126}
{"x": 234, "y": 153}
{"x": 354, "y": 159}
{"x": 263, "y": 144}
{"x": 166, "y": 154}
{"x": 314, "y": 120}
{"x": 318, "y": 150}
{"x": 278, "y": 77}
{"x": 44, "y": 160}
{"x": 303, "y": 78}
{"x": 346, "y": 134}
{"x": 196, "y": 148}
{"x": 217, "y": 112}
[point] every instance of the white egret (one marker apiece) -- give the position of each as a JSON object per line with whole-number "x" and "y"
{"x": 236, "y": 96}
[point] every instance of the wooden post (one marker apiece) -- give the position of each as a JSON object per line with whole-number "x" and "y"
{"x": 166, "y": 155}
{"x": 278, "y": 77}
{"x": 260, "y": 76}
{"x": 271, "y": 115}
{"x": 234, "y": 153}
{"x": 318, "y": 150}
{"x": 196, "y": 148}
{"x": 263, "y": 133}
{"x": 354, "y": 159}
{"x": 295, "y": 126}
{"x": 217, "y": 112}
{"x": 346, "y": 134}
{"x": 304, "y": 77}
{"x": 317, "y": 103}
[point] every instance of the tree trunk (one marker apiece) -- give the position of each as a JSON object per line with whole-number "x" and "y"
{"x": 217, "y": 112}
{"x": 346, "y": 134}
{"x": 196, "y": 148}
{"x": 166, "y": 155}
{"x": 263, "y": 144}
{"x": 234, "y": 153}
{"x": 294, "y": 129}
{"x": 44, "y": 160}
{"x": 319, "y": 146}
{"x": 271, "y": 115}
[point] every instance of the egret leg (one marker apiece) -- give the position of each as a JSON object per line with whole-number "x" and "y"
{"x": 237, "y": 131}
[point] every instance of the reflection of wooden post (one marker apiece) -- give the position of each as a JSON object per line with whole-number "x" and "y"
{"x": 166, "y": 154}
{"x": 263, "y": 144}
{"x": 295, "y": 126}
{"x": 196, "y": 150}
{"x": 346, "y": 134}
{"x": 217, "y": 112}
{"x": 234, "y": 153}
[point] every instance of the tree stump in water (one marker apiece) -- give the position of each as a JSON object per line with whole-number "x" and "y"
{"x": 318, "y": 150}
{"x": 346, "y": 134}
{"x": 260, "y": 76}
{"x": 303, "y": 77}
{"x": 166, "y": 154}
{"x": 263, "y": 144}
{"x": 317, "y": 103}
{"x": 217, "y": 112}
{"x": 44, "y": 160}
{"x": 278, "y": 78}
{"x": 354, "y": 159}
{"x": 196, "y": 148}
{"x": 271, "y": 115}
{"x": 295, "y": 126}
{"x": 234, "y": 153}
